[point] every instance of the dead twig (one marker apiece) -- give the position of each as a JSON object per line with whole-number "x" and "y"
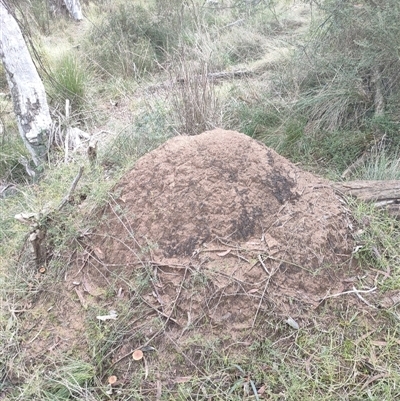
{"x": 263, "y": 265}
{"x": 362, "y": 299}
{"x": 353, "y": 291}
{"x": 270, "y": 274}
{"x": 85, "y": 260}
{"x": 67, "y": 198}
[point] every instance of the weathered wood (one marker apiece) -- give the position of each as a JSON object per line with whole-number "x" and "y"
{"x": 370, "y": 191}
{"x": 27, "y": 90}
{"x": 220, "y": 75}
{"x": 384, "y": 194}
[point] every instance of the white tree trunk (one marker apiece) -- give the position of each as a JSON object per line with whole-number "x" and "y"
{"x": 74, "y": 8}
{"x": 27, "y": 90}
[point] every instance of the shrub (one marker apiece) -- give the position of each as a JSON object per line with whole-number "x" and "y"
{"x": 194, "y": 101}
{"x": 348, "y": 72}
{"x": 132, "y": 40}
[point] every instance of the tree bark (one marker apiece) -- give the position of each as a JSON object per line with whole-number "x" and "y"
{"x": 27, "y": 90}
{"x": 74, "y": 8}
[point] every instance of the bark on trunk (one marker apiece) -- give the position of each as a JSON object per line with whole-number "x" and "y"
{"x": 74, "y": 8}
{"x": 26, "y": 87}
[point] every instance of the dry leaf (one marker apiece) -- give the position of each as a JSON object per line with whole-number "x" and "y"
{"x": 183, "y": 379}
{"x": 137, "y": 355}
{"x": 252, "y": 291}
{"x": 159, "y": 392}
{"x": 261, "y": 390}
{"x": 379, "y": 343}
{"x": 91, "y": 289}
{"x": 271, "y": 241}
{"x": 111, "y": 316}
{"x": 99, "y": 253}
{"x": 224, "y": 253}
{"x": 26, "y": 218}
{"x": 292, "y": 323}
{"x": 81, "y": 297}
{"x": 32, "y": 236}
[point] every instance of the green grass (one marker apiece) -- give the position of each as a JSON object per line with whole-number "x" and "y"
{"x": 70, "y": 80}
{"x": 150, "y": 129}
{"x": 133, "y": 39}
{"x": 314, "y": 116}
{"x": 329, "y": 152}
{"x": 380, "y": 165}
{"x": 379, "y": 236}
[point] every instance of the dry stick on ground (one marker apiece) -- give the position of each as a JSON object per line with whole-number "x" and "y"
{"x": 222, "y": 75}
{"x": 67, "y": 198}
{"x": 85, "y": 260}
{"x": 263, "y": 251}
{"x": 383, "y": 194}
{"x": 191, "y": 362}
{"x": 169, "y": 317}
{"x": 370, "y": 191}
{"x": 353, "y": 291}
{"x": 241, "y": 282}
{"x": 129, "y": 231}
{"x": 270, "y": 274}
{"x": 212, "y": 75}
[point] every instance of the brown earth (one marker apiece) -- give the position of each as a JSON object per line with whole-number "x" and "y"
{"x": 228, "y": 229}
{"x": 224, "y": 185}
{"x": 213, "y": 237}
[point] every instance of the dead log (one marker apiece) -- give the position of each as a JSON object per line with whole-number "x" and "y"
{"x": 383, "y": 194}
{"x": 219, "y": 75}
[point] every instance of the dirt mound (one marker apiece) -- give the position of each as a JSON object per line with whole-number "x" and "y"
{"x": 228, "y": 230}
{"x": 224, "y": 185}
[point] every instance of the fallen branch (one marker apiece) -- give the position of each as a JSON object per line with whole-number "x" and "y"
{"x": 370, "y": 191}
{"x": 212, "y": 75}
{"x": 353, "y": 291}
{"x": 217, "y": 75}
{"x": 383, "y": 194}
{"x": 67, "y": 198}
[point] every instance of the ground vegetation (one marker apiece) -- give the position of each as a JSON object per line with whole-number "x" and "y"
{"x": 149, "y": 260}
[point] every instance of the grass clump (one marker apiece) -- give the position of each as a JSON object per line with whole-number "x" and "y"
{"x": 70, "y": 381}
{"x": 150, "y": 129}
{"x": 195, "y": 104}
{"x": 338, "y": 96}
{"x": 380, "y": 165}
{"x": 292, "y": 136}
{"x": 11, "y": 150}
{"x": 70, "y": 80}
{"x": 379, "y": 236}
{"x": 347, "y": 73}
{"x": 133, "y": 40}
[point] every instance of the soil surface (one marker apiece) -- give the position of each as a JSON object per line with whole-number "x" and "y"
{"x": 211, "y": 238}
{"x": 229, "y": 228}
